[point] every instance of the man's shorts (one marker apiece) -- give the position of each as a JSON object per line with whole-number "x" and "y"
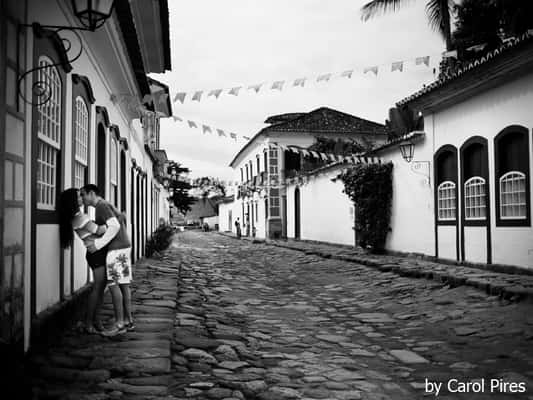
{"x": 97, "y": 259}
{"x": 119, "y": 269}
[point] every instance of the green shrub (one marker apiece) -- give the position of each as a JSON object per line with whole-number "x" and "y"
{"x": 160, "y": 240}
{"x": 369, "y": 186}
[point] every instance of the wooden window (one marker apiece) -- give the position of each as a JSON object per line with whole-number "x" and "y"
{"x": 446, "y": 201}
{"x": 113, "y": 169}
{"x": 49, "y": 116}
{"x": 258, "y": 165}
{"x": 242, "y": 175}
{"x": 511, "y": 155}
{"x": 274, "y": 203}
{"x": 475, "y": 199}
{"x": 81, "y": 142}
{"x": 513, "y": 204}
{"x": 251, "y": 170}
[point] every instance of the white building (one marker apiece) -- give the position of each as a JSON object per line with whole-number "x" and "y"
{"x": 267, "y": 211}
{"x": 477, "y": 153}
{"x": 89, "y": 127}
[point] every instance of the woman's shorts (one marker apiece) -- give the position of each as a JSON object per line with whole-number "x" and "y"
{"x": 97, "y": 259}
{"x": 119, "y": 266}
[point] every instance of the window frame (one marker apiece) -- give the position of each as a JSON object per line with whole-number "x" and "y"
{"x": 453, "y": 187}
{"x": 525, "y": 204}
{"x": 475, "y": 180}
{"x": 441, "y": 175}
{"x": 524, "y": 169}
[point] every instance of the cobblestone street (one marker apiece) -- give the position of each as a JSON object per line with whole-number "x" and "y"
{"x": 254, "y": 321}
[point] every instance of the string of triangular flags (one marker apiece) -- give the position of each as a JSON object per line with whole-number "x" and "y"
{"x": 204, "y": 128}
{"x": 198, "y": 95}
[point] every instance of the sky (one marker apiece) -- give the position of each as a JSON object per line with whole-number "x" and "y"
{"x": 220, "y": 44}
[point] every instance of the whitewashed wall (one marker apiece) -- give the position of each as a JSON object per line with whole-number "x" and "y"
{"x": 326, "y": 214}
{"x": 486, "y": 114}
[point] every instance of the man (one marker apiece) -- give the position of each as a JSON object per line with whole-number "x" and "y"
{"x": 118, "y": 264}
{"x": 238, "y": 228}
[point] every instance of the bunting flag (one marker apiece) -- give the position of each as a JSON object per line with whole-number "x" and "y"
{"x": 373, "y": 69}
{"x": 180, "y": 96}
{"x": 422, "y": 60}
{"x": 278, "y": 85}
{"x": 299, "y": 82}
{"x": 215, "y": 93}
{"x": 206, "y": 129}
{"x": 323, "y": 78}
{"x": 256, "y": 87}
{"x": 347, "y": 74}
{"x": 397, "y": 66}
{"x": 176, "y": 118}
{"x": 192, "y": 124}
{"x": 197, "y": 95}
{"x": 450, "y": 54}
{"x": 220, "y": 132}
{"x": 235, "y": 91}
{"x": 233, "y": 136}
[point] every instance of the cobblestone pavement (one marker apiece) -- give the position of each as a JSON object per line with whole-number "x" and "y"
{"x": 258, "y": 321}
{"x": 255, "y": 321}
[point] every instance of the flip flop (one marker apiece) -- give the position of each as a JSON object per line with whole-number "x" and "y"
{"x": 130, "y": 326}
{"x": 116, "y": 330}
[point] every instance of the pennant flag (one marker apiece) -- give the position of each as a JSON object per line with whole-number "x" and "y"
{"x": 197, "y": 95}
{"x": 192, "y": 124}
{"x": 180, "y": 96}
{"x": 397, "y": 66}
{"x": 347, "y": 74}
{"x": 246, "y": 137}
{"x": 450, "y": 54}
{"x": 147, "y": 98}
{"x": 233, "y": 135}
{"x": 220, "y": 132}
{"x": 324, "y": 77}
{"x": 305, "y": 152}
{"x": 235, "y": 91}
{"x": 293, "y": 149}
{"x": 299, "y": 82}
{"x": 256, "y": 87}
{"x": 315, "y": 154}
{"x": 278, "y": 85}
{"x": 340, "y": 158}
{"x": 332, "y": 157}
{"x": 373, "y": 69}
{"x": 206, "y": 128}
{"x": 215, "y": 92}
{"x": 323, "y": 156}
{"x": 176, "y": 118}
{"x": 422, "y": 60}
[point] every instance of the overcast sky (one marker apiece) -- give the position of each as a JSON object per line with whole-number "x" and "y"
{"x": 221, "y": 44}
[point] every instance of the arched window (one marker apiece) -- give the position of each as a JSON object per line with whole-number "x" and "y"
{"x": 475, "y": 205}
{"x": 81, "y": 141}
{"x": 511, "y": 148}
{"x": 447, "y": 202}
{"x": 49, "y": 115}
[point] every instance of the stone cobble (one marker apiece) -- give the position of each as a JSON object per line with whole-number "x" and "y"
{"x": 136, "y": 365}
{"x": 256, "y": 321}
{"x": 514, "y": 283}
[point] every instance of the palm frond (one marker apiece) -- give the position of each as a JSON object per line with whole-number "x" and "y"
{"x": 378, "y": 7}
{"x": 439, "y": 14}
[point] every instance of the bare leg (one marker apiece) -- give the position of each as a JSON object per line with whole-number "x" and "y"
{"x": 126, "y": 296}
{"x": 97, "y": 293}
{"x": 116, "y": 296}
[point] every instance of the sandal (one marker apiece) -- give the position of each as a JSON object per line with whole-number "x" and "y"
{"x": 130, "y": 326}
{"x": 116, "y": 330}
{"x": 99, "y": 326}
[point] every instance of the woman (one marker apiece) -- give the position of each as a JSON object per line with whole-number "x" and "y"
{"x": 72, "y": 219}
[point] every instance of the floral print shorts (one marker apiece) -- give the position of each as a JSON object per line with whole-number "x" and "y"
{"x": 118, "y": 265}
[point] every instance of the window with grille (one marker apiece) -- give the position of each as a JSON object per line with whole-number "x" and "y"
{"x": 81, "y": 141}
{"x": 475, "y": 201}
{"x": 446, "y": 201}
{"x": 113, "y": 170}
{"x": 513, "y": 203}
{"x": 49, "y": 136}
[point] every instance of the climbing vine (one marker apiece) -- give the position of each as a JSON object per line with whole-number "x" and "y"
{"x": 369, "y": 186}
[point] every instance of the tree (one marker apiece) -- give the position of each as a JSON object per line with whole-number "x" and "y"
{"x": 208, "y": 186}
{"x": 439, "y": 14}
{"x": 179, "y": 187}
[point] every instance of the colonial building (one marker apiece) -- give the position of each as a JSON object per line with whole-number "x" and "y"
{"x": 263, "y": 163}
{"x": 466, "y": 195}
{"x": 71, "y": 113}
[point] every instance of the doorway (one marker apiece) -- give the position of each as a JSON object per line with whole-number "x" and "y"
{"x": 101, "y": 159}
{"x": 297, "y": 232}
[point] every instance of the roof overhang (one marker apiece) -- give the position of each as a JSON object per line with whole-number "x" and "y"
{"x": 495, "y": 69}
{"x": 413, "y": 137}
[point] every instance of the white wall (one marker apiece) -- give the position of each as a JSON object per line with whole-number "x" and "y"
{"x": 486, "y": 115}
{"x": 326, "y": 214}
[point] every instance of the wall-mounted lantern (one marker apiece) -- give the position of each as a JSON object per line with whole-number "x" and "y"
{"x": 407, "y": 149}
{"x": 92, "y": 13}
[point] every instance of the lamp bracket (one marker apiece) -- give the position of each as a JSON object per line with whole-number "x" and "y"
{"x": 422, "y": 168}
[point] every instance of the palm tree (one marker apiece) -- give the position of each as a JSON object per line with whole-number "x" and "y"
{"x": 439, "y": 14}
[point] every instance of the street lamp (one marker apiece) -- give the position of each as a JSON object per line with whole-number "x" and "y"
{"x": 407, "y": 149}
{"x": 92, "y": 13}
